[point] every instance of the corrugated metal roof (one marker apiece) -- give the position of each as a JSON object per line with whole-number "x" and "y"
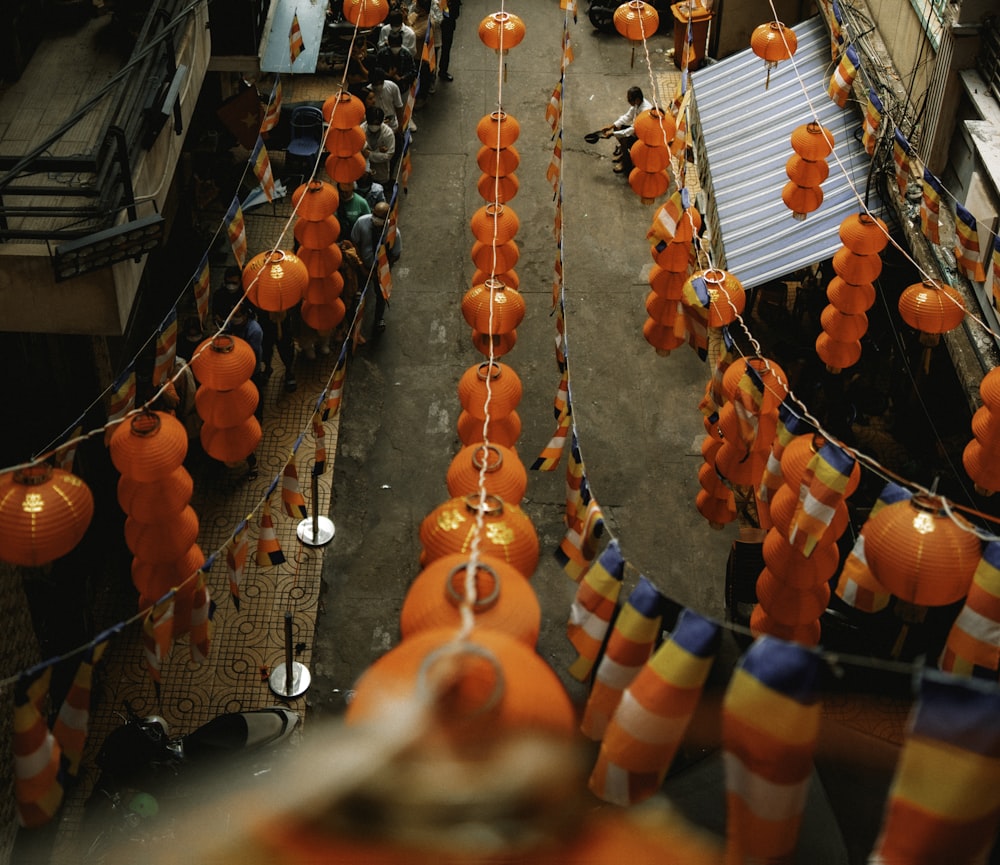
{"x": 745, "y": 139}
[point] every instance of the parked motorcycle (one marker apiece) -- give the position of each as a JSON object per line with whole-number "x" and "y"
{"x": 147, "y": 775}
{"x": 602, "y": 13}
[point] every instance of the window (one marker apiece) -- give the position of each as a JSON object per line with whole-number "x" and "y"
{"x": 931, "y": 14}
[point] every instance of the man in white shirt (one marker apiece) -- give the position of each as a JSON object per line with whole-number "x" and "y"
{"x": 380, "y": 143}
{"x": 394, "y": 23}
{"x": 385, "y": 94}
{"x": 624, "y": 128}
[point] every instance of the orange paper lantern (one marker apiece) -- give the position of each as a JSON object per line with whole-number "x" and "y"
{"x": 491, "y": 308}
{"x": 148, "y": 446}
{"x": 636, "y": 20}
{"x": 505, "y": 389}
{"x": 498, "y": 130}
{"x": 343, "y": 110}
{"x": 504, "y": 431}
{"x": 315, "y": 200}
{"x": 494, "y": 223}
{"x": 502, "y": 472}
{"x": 274, "y": 280}
{"x": 364, "y": 14}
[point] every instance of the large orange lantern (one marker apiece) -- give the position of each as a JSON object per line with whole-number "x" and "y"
{"x": 932, "y": 308}
{"x": 315, "y": 200}
{"x": 150, "y": 501}
{"x": 343, "y": 110}
{"x": 921, "y": 553}
{"x": 501, "y": 31}
{"x": 505, "y": 389}
{"x": 365, "y": 13}
{"x": 493, "y": 308}
{"x": 44, "y": 513}
{"x": 498, "y": 130}
{"x": 275, "y": 280}
{"x": 148, "y": 445}
{"x": 223, "y": 362}
{"x": 503, "y": 431}
{"x": 773, "y": 42}
{"x": 501, "y": 470}
{"x": 494, "y": 223}
{"x": 981, "y": 457}
{"x": 636, "y": 20}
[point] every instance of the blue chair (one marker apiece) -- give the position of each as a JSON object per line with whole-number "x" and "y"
{"x": 305, "y": 141}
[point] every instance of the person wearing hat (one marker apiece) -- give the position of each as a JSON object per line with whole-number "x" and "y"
{"x": 623, "y": 129}
{"x": 368, "y": 234}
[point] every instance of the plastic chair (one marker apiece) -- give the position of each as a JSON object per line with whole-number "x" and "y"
{"x": 305, "y": 141}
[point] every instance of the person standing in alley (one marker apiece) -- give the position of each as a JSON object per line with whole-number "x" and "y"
{"x": 380, "y": 143}
{"x": 623, "y": 129}
{"x": 450, "y": 10}
{"x": 367, "y": 236}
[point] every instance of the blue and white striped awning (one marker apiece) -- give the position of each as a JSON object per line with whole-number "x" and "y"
{"x": 742, "y": 134}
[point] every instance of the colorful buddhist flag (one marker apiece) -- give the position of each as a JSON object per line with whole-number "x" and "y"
{"x": 272, "y": 113}
{"x": 666, "y": 219}
{"x": 843, "y": 77}
{"x": 856, "y": 585}
{"x": 944, "y": 803}
{"x": 336, "y": 391}
{"x": 770, "y": 722}
{"x": 202, "y": 610}
{"x": 268, "y": 548}
{"x": 872, "y": 122}
{"x": 405, "y": 169}
{"x": 569, "y": 6}
{"x": 567, "y": 52}
{"x": 384, "y": 272}
{"x": 38, "y": 787}
{"x": 121, "y": 400}
{"x": 696, "y": 299}
{"x": 901, "y": 152}
{"x": 654, "y": 713}
{"x": 973, "y": 644}
{"x": 790, "y": 425}
{"x": 560, "y": 338}
{"x": 261, "y": 163}
{"x": 930, "y": 208}
{"x": 747, "y": 401}
{"x": 594, "y": 607}
{"x": 549, "y": 458}
{"x": 73, "y": 720}
{"x": 427, "y": 54}
{"x": 236, "y": 557}
{"x": 553, "y": 111}
{"x": 967, "y": 247}
{"x": 202, "y": 290}
{"x": 166, "y": 348}
{"x": 633, "y": 639}
{"x": 824, "y": 483}
{"x": 236, "y": 230}
{"x": 295, "y": 44}
{"x": 356, "y": 337}
{"x": 554, "y": 172}
{"x": 579, "y": 545}
{"x": 319, "y": 437}
{"x": 292, "y": 500}
{"x": 157, "y": 636}
{"x": 575, "y": 480}
{"x": 836, "y": 30}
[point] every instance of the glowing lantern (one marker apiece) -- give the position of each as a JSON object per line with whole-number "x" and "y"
{"x": 315, "y": 200}
{"x": 44, "y": 513}
{"x": 507, "y": 532}
{"x": 501, "y": 31}
{"x": 795, "y": 569}
{"x": 365, "y": 13}
{"x": 225, "y": 408}
{"x": 773, "y": 42}
{"x": 275, "y": 280}
{"x": 498, "y": 130}
{"x": 494, "y": 224}
{"x": 837, "y": 355}
{"x": 503, "y": 473}
{"x": 322, "y": 261}
{"x": 490, "y": 308}
{"x": 503, "y": 599}
{"x": 842, "y": 326}
{"x": 920, "y": 553}
{"x": 324, "y": 289}
{"x": 343, "y": 110}
{"x": 932, "y": 308}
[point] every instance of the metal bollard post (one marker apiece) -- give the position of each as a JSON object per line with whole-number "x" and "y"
{"x": 290, "y": 679}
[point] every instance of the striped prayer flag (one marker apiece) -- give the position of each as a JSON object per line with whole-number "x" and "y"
{"x": 550, "y": 456}
{"x": 384, "y": 272}
{"x": 73, "y": 720}
{"x": 973, "y": 644}
{"x": 295, "y": 44}
{"x": 292, "y": 500}
{"x": 336, "y": 391}
{"x": 261, "y": 163}
{"x": 594, "y": 607}
{"x": 856, "y": 585}
{"x": 967, "y": 248}
{"x": 567, "y": 49}
{"x": 554, "y": 172}
{"x": 823, "y": 485}
{"x": 557, "y": 279}
{"x": 202, "y": 610}
{"x": 747, "y": 402}
{"x": 843, "y": 77}
{"x": 553, "y": 111}
{"x": 579, "y": 545}
{"x": 872, "y": 122}
{"x": 654, "y": 713}
{"x": 714, "y": 398}
{"x": 157, "y": 636}
{"x": 428, "y": 54}
{"x": 789, "y": 426}
{"x": 202, "y": 290}
{"x": 272, "y": 113}
{"x": 944, "y": 803}
{"x": 65, "y": 456}
{"x": 236, "y": 557}
{"x": 770, "y": 722}
{"x": 836, "y": 30}
{"x": 560, "y": 337}
{"x": 319, "y": 437}
{"x": 666, "y": 219}
{"x": 575, "y": 480}
{"x": 166, "y": 348}
{"x": 901, "y": 151}
{"x": 268, "y": 548}
{"x": 356, "y": 337}
{"x": 236, "y": 230}
{"x": 121, "y": 400}
{"x": 696, "y": 299}
{"x": 569, "y": 6}
{"x": 38, "y": 787}
{"x": 930, "y": 208}
{"x": 405, "y": 169}
{"x": 633, "y": 639}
